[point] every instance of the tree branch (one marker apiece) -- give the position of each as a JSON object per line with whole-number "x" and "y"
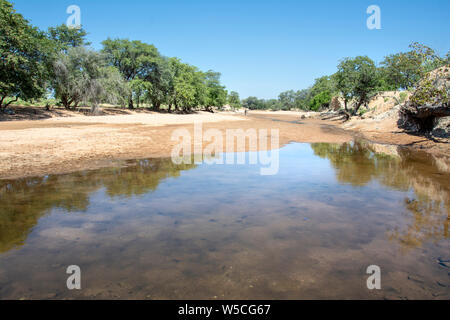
{"x": 7, "y": 104}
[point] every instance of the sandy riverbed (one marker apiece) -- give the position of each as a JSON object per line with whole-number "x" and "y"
{"x": 67, "y": 144}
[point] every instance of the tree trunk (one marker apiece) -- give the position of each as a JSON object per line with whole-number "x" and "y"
{"x": 1, "y": 102}
{"x": 360, "y": 103}
{"x": 130, "y": 103}
{"x": 95, "y": 109}
{"x": 65, "y": 102}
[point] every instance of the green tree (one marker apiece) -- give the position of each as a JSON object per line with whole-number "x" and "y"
{"x": 216, "y": 93}
{"x": 134, "y": 59}
{"x": 202, "y": 92}
{"x": 253, "y": 103}
{"x": 402, "y": 70}
{"x": 405, "y": 69}
{"x": 186, "y": 90}
{"x": 234, "y": 101}
{"x": 321, "y": 100}
{"x": 139, "y": 89}
{"x": 325, "y": 83}
{"x": 430, "y": 60}
{"x": 357, "y": 79}
{"x": 302, "y": 98}
{"x": 81, "y": 76}
{"x": 287, "y": 99}
{"x": 67, "y": 37}
{"x": 114, "y": 89}
{"x": 274, "y": 104}
{"x": 345, "y": 79}
{"x": 24, "y": 51}
{"x": 159, "y": 78}
{"x": 365, "y": 85}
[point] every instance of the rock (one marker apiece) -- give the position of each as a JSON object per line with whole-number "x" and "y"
{"x": 335, "y": 104}
{"x": 427, "y": 106}
{"x": 441, "y": 128}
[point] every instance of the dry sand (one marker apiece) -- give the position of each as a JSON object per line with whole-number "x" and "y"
{"x": 67, "y": 143}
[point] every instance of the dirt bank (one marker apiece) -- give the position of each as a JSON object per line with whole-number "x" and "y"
{"x": 70, "y": 143}
{"x": 381, "y": 127}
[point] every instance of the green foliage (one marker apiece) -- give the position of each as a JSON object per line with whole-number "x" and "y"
{"x": 81, "y": 76}
{"x": 24, "y": 51}
{"x": 159, "y": 80}
{"x": 216, "y": 93}
{"x": 134, "y": 59}
{"x": 323, "y": 84}
{"x": 189, "y": 89}
{"x": 402, "y": 70}
{"x": 363, "y": 111}
{"x": 253, "y": 103}
{"x": 302, "y": 98}
{"x": 287, "y": 99}
{"x": 405, "y": 69}
{"x": 132, "y": 71}
{"x": 357, "y": 79}
{"x": 113, "y": 89}
{"x": 403, "y": 96}
{"x": 139, "y": 89}
{"x": 321, "y": 100}
{"x": 66, "y": 37}
{"x": 162, "y": 80}
{"x": 427, "y": 93}
{"x": 234, "y": 101}
{"x": 345, "y": 79}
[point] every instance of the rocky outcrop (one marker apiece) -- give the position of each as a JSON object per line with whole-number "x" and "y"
{"x": 428, "y": 109}
{"x": 335, "y": 104}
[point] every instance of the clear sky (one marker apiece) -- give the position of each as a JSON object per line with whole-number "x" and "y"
{"x": 261, "y": 47}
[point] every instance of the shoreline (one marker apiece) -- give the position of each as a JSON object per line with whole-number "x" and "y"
{"x": 68, "y": 144}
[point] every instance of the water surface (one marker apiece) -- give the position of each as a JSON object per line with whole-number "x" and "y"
{"x": 150, "y": 229}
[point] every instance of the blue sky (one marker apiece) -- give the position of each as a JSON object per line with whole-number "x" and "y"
{"x": 261, "y": 47}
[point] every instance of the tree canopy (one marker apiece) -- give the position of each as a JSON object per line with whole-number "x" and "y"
{"x": 81, "y": 75}
{"x": 66, "y": 37}
{"x": 23, "y": 52}
{"x": 59, "y": 63}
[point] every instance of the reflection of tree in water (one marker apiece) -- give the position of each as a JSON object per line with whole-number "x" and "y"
{"x": 24, "y": 201}
{"x": 358, "y": 163}
{"x": 142, "y": 178}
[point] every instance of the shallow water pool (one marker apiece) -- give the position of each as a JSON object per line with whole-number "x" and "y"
{"x": 150, "y": 229}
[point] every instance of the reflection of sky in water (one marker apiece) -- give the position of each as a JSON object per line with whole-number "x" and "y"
{"x": 226, "y": 231}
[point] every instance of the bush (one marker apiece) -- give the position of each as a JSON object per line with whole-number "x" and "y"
{"x": 403, "y": 96}
{"x": 322, "y": 100}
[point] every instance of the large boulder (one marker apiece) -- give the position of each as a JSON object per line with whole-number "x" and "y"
{"x": 429, "y": 103}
